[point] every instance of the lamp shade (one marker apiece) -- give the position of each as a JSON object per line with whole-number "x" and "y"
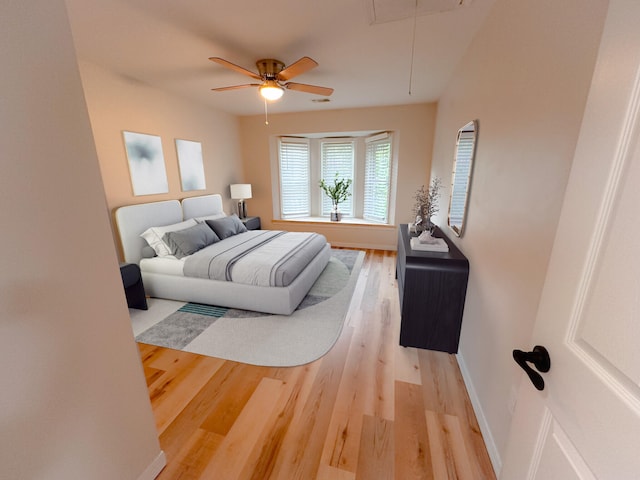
{"x": 240, "y": 191}
{"x": 270, "y": 90}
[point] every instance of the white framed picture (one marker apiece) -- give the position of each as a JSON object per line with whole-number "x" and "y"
{"x": 146, "y": 163}
{"x": 191, "y": 166}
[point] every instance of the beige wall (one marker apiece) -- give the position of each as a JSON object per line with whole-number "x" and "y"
{"x": 525, "y": 78}
{"x": 74, "y": 402}
{"x": 413, "y": 126}
{"x": 117, "y": 103}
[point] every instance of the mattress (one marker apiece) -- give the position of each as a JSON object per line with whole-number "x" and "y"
{"x": 169, "y": 265}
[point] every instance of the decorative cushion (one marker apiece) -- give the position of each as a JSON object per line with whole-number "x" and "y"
{"x": 154, "y": 235}
{"x": 227, "y": 226}
{"x": 190, "y": 240}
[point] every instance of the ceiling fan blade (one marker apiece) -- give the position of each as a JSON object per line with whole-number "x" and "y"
{"x": 303, "y": 87}
{"x": 236, "y": 87}
{"x": 235, "y": 67}
{"x": 297, "y": 68}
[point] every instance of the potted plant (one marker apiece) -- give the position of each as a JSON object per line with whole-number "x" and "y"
{"x": 338, "y": 193}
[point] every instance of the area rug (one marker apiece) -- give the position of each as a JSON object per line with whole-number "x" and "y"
{"x": 264, "y": 339}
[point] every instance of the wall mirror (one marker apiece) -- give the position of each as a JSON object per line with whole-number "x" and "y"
{"x": 461, "y": 179}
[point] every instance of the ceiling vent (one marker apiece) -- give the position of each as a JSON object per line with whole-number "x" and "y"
{"x": 382, "y": 11}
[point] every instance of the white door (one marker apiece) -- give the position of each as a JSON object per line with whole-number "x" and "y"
{"x": 585, "y": 424}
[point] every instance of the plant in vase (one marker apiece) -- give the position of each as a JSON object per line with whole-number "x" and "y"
{"x": 426, "y": 205}
{"x": 338, "y": 193}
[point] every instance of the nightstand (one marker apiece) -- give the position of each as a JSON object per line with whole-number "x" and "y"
{"x": 252, "y": 223}
{"x": 133, "y": 287}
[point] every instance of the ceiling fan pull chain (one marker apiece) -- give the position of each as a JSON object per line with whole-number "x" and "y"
{"x": 266, "y": 115}
{"x": 413, "y": 46}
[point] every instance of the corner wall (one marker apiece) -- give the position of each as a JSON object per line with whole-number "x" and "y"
{"x": 525, "y": 78}
{"x": 413, "y": 126}
{"x": 74, "y": 402}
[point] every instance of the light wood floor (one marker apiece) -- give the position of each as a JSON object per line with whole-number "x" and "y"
{"x": 369, "y": 409}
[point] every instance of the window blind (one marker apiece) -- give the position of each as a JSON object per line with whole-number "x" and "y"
{"x": 377, "y": 177}
{"x": 294, "y": 178}
{"x": 337, "y": 158}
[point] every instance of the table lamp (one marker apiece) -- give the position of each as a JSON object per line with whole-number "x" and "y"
{"x": 240, "y": 192}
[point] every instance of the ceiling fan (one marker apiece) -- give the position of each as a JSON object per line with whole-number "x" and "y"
{"x": 275, "y": 77}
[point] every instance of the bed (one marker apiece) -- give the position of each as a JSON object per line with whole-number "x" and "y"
{"x": 164, "y": 276}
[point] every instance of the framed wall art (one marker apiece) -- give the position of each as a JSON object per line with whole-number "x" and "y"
{"x": 146, "y": 163}
{"x": 191, "y": 166}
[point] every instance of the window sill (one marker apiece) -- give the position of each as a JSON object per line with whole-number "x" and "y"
{"x": 327, "y": 221}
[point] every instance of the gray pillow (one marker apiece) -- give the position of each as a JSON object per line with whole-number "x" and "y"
{"x": 227, "y": 226}
{"x": 190, "y": 240}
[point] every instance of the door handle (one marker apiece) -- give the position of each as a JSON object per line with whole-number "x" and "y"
{"x": 540, "y": 359}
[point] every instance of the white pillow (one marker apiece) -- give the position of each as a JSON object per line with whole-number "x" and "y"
{"x": 211, "y": 217}
{"x": 154, "y": 235}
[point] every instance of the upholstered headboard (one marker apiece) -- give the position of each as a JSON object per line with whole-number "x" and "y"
{"x": 132, "y": 220}
{"x": 202, "y": 206}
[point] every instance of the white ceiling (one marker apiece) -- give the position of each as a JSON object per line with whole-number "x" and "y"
{"x": 364, "y": 47}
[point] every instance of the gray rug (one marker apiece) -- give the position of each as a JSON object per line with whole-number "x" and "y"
{"x": 265, "y": 339}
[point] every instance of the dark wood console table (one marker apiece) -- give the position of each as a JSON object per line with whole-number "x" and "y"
{"x": 432, "y": 288}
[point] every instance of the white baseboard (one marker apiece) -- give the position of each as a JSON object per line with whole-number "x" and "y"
{"x": 155, "y": 467}
{"x": 492, "y": 449}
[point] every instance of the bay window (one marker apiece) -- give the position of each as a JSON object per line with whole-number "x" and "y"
{"x": 367, "y": 159}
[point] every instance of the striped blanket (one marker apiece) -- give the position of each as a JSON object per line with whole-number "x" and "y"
{"x": 268, "y": 258}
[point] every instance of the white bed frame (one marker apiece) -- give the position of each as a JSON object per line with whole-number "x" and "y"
{"x": 132, "y": 220}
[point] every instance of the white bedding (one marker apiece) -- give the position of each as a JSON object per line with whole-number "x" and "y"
{"x": 259, "y": 266}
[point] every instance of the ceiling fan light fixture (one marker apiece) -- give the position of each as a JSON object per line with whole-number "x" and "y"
{"x": 275, "y": 77}
{"x": 270, "y": 90}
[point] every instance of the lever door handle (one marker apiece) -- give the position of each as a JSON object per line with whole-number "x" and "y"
{"x": 540, "y": 359}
